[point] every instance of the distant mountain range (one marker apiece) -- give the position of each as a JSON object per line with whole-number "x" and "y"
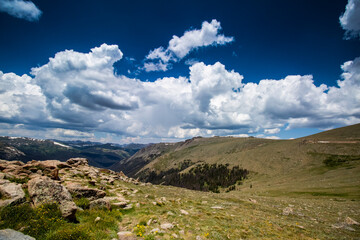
{"x": 99, "y": 154}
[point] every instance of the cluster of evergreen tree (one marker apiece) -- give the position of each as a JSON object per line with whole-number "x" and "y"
{"x": 203, "y": 177}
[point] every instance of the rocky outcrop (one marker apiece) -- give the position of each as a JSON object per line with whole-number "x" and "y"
{"x": 89, "y": 193}
{"x": 77, "y": 161}
{"x": 44, "y": 190}
{"x": 11, "y": 192}
{"x": 10, "y": 234}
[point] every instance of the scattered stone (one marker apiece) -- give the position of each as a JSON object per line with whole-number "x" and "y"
{"x": 182, "y": 232}
{"x": 170, "y": 213}
{"x": 129, "y": 206}
{"x": 119, "y": 204}
{"x": 166, "y": 226}
{"x": 10, "y": 234}
{"x": 44, "y": 190}
{"x": 100, "y": 203}
{"x": 149, "y": 222}
{"x": 137, "y": 205}
{"x": 198, "y": 237}
{"x": 184, "y": 212}
{"x": 204, "y": 202}
{"x": 77, "y": 161}
{"x": 89, "y": 193}
{"x": 287, "y": 211}
{"x": 217, "y": 207}
{"x": 350, "y": 221}
{"x": 126, "y": 235}
{"x": 97, "y": 219}
{"x": 174, "y": 235}
{"x": 252, "y": 200}
{"x": 12, "y": 191}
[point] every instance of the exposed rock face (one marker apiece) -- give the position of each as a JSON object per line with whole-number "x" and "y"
{"x": 44, "y": 190}
{"x": 89, "y": 193}
{"x": 9, "y": 234}
{"x": 12, "y": 191}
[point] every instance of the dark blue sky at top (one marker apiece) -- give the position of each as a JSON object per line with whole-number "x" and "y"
{"x": 273, "y": 39}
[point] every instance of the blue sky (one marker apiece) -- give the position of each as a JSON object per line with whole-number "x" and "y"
{"x": 149, "y": 71}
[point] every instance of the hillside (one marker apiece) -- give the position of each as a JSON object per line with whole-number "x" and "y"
{"x": 325, "y": 162}
{"x": 99, "y": 155}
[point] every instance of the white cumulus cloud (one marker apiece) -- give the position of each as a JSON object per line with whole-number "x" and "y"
{"x": 179, "y": 47}
{"x": 21, "y": 9}
{"x": 78, "y": 94}
{"x": 350, "y": 20}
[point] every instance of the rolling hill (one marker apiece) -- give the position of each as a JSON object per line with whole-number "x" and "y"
{"x": 328, "y": 162}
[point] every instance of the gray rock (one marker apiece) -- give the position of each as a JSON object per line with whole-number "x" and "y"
{"x": 90, "y": 193}
{"x": 77, "y": 161}
{"x": 10, "y": 234}
{"x": 100, "y": 203}
{"x": 12, "y": 191}
{"x": 167, "y": 226}
{"x": 44, "y": 190}
{"x": 126, "y": 236}
{"x": 287, "y": 211}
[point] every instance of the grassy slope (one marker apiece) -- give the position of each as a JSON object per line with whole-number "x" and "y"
{"x": 279, "y": 166}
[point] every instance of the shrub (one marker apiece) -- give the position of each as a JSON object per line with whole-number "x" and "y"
{"x": 82, "y": 202}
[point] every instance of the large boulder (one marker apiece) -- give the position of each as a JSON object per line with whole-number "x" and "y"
{"x": 12, "y": 193}
{"x": 10, "y": 234}
{"x": 90, "y": 193}
{"x": 44, "y": 190}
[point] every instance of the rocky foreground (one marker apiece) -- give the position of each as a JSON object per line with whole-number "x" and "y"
{"x": 53, "y": 181}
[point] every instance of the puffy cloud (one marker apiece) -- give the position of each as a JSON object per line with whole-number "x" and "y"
{"x": 21, "y": 99}
{"x": 21, "y": 9}
{"x": 272, "y": 131}
{"x": 78, "y": 94}
{"x": 206, "y": 36}
{"x": 179, "y": 47}
{"x": 350, "y": 20}
{"x": 154, "y": 67}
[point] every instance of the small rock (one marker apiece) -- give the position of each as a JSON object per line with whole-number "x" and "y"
{"x": 198, "y": 237}
{"x": 170, "y": 213}
{"x": 252, "y": 200}
{"x": 174, "y": 235}
{"x": 100, "y": 203}
{"x": 137, "y": 205}
{"x": 167, "y": 226}
{"x": 129, "y": 206}
{"x": 350, "y": 221}
{"x": 184, "y": 212}
{"x": 182, "y": 232}
{"x": 149, "y": 222}
{"x": 97, "y": 219}
{"x": 287, "y": 211}
{"x": 217, "y": 207}
{"x": 10, "y": 234}
{"x": 126, "y": 235}
{"x": 120, "y": 204}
